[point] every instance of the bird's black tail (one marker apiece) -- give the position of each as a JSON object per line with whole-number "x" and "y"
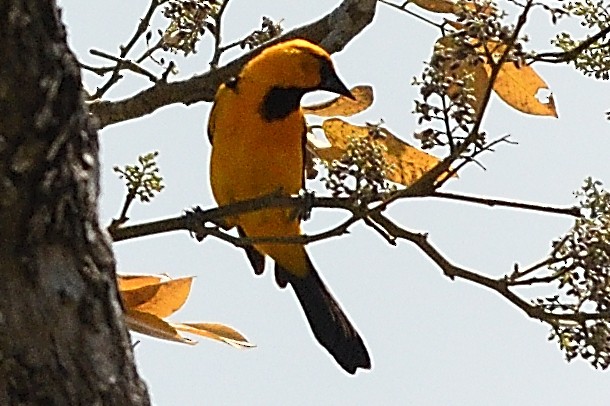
{"x": 328, "y": 322}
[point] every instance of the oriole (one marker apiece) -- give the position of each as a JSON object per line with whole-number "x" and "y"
{"x": 257, "y": 131}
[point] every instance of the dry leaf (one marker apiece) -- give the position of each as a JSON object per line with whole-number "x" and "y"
{"x": 149, "y": 298}
{"x": 454, "y": 7}
{"x": 436, "y": 6}
{"x": 408, "y": 162}
{"x": 161, "y": 299}
{"x": 216, "y": 331}
{"x": 126, "y": 282}
{"x": 153, "y": 326}
{"x": 518, "y": 86}
{"x": 343, "y": 106}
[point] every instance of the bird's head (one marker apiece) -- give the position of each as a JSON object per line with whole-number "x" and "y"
{"x": 296, "y": 64}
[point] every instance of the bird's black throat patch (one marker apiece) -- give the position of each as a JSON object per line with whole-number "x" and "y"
{"x": 279, "y": 102}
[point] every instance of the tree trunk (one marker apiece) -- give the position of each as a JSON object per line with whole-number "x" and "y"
{"x": 62, "y": 337}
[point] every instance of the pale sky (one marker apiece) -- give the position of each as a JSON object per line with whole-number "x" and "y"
{"x": 432, "y": 341}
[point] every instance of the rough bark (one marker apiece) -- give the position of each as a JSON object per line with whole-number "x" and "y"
{"x": 62, "y": 337}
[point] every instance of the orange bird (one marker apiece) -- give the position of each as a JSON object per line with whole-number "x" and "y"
{"x": 257, "y": 130}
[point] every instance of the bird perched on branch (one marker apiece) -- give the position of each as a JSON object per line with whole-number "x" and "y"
{"x": 257, "y": 131}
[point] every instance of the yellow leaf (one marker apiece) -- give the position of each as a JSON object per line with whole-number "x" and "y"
{"x": 455, "y": 7}
{"x": 216, "y": 331}
{"x": 436, "y": 6}
{"x": 153, "y": 326}
{"x": 518, "y": 86}
{"x": 408, "y": 163}
{"x": 160, "y": 299}
{"x": 126, "y": 282}
{"x": 149, "y": 298}
{"x": 343, "y": 106}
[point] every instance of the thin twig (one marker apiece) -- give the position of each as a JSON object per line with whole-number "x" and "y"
{"x": 144, "y": 24}
{"x": 124, "y": 50}
{"x": 390, "y": 239}
{"x": 466, "y": 160}
{"x": 231, "y": 45}
{"x": 151, "y": 50}
{"x": 448, "y": 130}
{"x": 403, "y": 8}
{"x": 537, "y": 280}
{"x": 122, "y": 219}
{"x": 517, "y": 274}
{"x": 568, "y": 211}
{"x": 168, "y": 70}
{"x": 218, "y": 50}
{"x": 336, "y": 231}
{"x": 125, "y": 64}
{"x": 516, "y": 278}
{"x": 100, "y": 71}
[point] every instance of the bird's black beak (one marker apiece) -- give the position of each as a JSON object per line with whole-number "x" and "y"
{"x": 331, "y": 82}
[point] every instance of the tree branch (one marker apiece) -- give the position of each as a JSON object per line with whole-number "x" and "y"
{"x": 193, "y": 221}
{"x": 302, "y": 239}
{"x": 568, "y": 211}
{"x": 196, "y": 222}
{"x": 501, "y": 286}
{"x": 568, "y": 56}
{"x": 333, "y": 32}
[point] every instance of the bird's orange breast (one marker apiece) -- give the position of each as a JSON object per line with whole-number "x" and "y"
{"x": 252, "y": 157}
